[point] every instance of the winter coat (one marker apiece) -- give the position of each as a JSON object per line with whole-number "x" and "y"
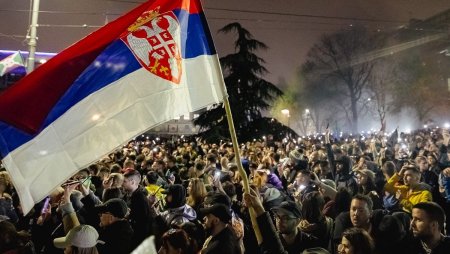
{"x": 411, "y": 198}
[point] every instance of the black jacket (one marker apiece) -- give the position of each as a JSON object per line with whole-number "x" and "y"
{"x": 223, "y": 243}
{"x": 116, "y": 238}
{"x": 139, "y": 217}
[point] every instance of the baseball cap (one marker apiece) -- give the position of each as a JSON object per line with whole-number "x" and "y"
{"x": 289, "y": 206}
{"x": 82, "y": 236}
{"x": 367, "y": 173}
{"x": 115, "y": 206}
{"x": 213, "y": 198}
{"x": 219, "y": 210}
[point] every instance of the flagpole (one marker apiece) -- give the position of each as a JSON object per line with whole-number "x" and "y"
{"x": 242, "y": 172}
{"x": 33, "y": 39}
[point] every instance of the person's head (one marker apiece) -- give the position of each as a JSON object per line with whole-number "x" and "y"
{"x": 111, "y": 193}
{"x": 411, "y": 176}
{"x": 82, "y": 174}
{"x": 117, "y": 180}
{"x": 215, "y": 217}
{"x": 170, "y": 161}
{"x": 151, "y": 177}
{"x": 176, "y": 241}
{"x": 312, "y": 206}
{"x": 428, "y": 220}
{"x": 82, "y": 238}
{"x": 103, "y": 172}
{"x": 10, "y": 239}
{"x": 158, "y": 165}
{"x": 131, "y": 181}
{"x": 343, "y": 165}
{"x": 128, "y": 165}
{"x": 356, "y": 241}
{"x": 432, "y": 159}
{"x": 388, "y": 169}
{"x": 361, "y": 210}
{"x": 287, "y": 217}
{"x": 115, "y": 168}
{"x": 175, "y": 196}
{"x": 5, "y": 182}
{"x": 422, "y": 163}
{"x": 303, "y": 177}
{"x": 260, "y": 178}
{"x": 196, "y": 191}
{"x": 111, "y": 211}
{"x": 365, "y": 177}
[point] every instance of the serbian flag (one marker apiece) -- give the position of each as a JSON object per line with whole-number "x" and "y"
{"x": 10, "y": 63}
{"x": 153, "y": 64}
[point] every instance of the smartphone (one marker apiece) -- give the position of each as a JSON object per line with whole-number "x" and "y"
{"x": 70, "y": 182}
{"x": 217, "y": 176}
{"x": 86, "y": 182}
{"x": 328, "y": 125}
{"x": 46, "y": 205}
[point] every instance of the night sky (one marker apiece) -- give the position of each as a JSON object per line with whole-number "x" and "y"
{"x": 288, "y": 27}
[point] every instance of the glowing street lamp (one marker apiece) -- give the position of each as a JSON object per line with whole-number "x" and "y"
{"x": 286, "y": 113}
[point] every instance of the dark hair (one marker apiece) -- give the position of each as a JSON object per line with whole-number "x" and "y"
{"x": 200, "y": 165}
{"x": 389, "y": 168}
{"x": 360, "y": 240}
{"x": 178, "y": 239}
{"x": 11, "y": 239}
{"x": 312, "y": 206}
{"x": 433, "y": 211}
{"x": 111, "y": 193}
{"x": 342, "y": 200}
{"x": 229, "y": 188}
{"x": 152, "y": 177}
{"x": 211, "y": 157}
{"x": 115, "y": 168}
{"x": 366, "y": 199}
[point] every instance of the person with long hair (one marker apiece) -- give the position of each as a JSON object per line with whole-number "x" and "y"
{"x": 177, "y": 241}
{"x": 365, "y": 180}
{"x": 356, "y": 241}
{"x": 313, "y": 221}
{"x": 196, "y": 193}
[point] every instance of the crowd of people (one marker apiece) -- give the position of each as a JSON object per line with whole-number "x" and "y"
{"x": 362, "y": 194}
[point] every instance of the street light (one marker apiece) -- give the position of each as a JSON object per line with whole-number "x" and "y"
{"x": 285, "y": 112}
{"x": 307, "y": 120}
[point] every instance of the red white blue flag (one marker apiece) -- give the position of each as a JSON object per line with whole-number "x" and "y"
{"x": 153, "y": 64}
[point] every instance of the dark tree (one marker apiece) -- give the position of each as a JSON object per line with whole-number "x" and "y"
{"x": 338, "y": 62}
{"x": 248, "y": 92}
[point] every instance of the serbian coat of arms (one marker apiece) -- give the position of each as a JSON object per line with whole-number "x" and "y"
{"x": 154, "y": 40}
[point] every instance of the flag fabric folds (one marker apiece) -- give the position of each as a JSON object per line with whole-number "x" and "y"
{"x": 149, "y": 66}
{"x": 10, "y": 63}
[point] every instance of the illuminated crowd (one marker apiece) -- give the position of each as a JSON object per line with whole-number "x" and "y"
{"x": 371, "y": 192}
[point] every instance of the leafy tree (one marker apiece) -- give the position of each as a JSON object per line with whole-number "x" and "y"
{"x": 249, "y": 93}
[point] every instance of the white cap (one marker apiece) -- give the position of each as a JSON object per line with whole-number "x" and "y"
{"x": 82, "y": 236}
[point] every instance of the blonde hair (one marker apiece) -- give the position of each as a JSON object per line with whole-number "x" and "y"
{"x": 197, "y": 192}
{"x": 6, "y": 180}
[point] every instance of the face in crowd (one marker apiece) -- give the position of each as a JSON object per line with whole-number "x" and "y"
{"x": 360, "y": 213}
{"x": 285, "y": 221}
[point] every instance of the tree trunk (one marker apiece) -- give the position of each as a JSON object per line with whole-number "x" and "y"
{"x": 354, "y": 109}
